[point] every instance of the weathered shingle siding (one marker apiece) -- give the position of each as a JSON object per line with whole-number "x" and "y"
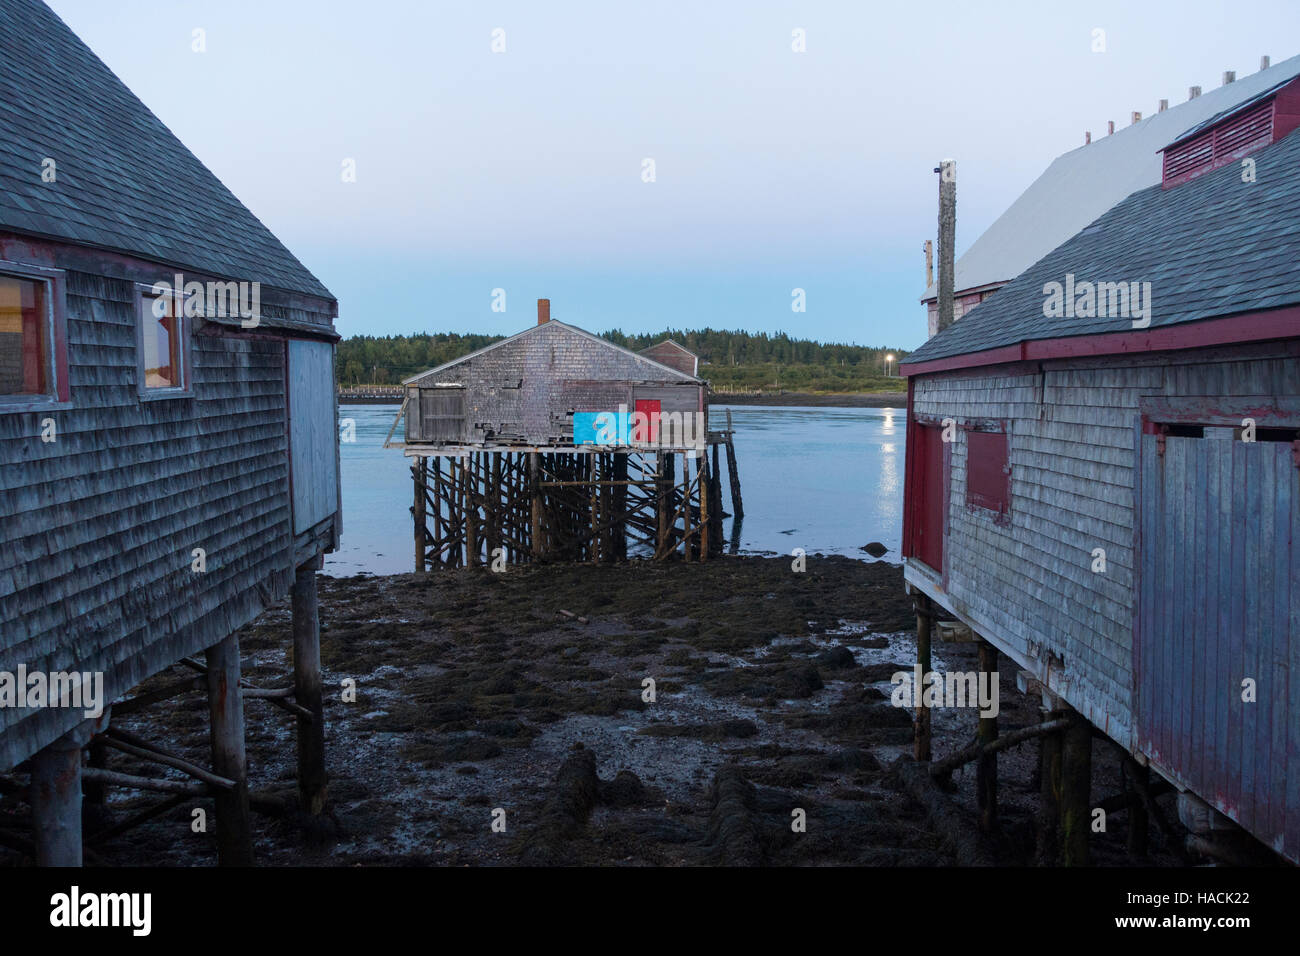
{"x": 99, "y": 526}
{"x": 560, "y": 369}
{"x": 1071, "y": 433}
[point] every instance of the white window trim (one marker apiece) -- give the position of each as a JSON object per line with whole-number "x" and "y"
{"x": 143, "y": 295}
{"x": 57, "y": 363}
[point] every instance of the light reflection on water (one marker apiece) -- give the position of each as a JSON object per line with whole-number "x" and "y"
{"x": 821, "y": 479}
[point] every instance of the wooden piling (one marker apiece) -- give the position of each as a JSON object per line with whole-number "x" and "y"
{"x": 469, "y": 484}
{"x": 421, "y": 531}
{"x": 1076, "y": 788}
{"x": 1049, "y": 800}
{"x": 226, "y": 729}
{"x": 1138, "y": 819}
{"x": 538, "y": 505}
{"x": 56, "y": 802}
{"x": 308, "y": 692}
{"x": 702, "y": 483}
{"x": 737, "y": 506}
{"x": 921, "y": 735}
{"x": 986, "y": 768}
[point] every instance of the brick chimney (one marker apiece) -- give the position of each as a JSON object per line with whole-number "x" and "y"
{"x": 543, "y": 311}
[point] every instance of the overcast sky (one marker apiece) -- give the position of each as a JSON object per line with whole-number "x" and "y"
{"x": 523, "y": 170}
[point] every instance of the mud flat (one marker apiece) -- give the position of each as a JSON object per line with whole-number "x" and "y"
{"x": 477, "y": 700}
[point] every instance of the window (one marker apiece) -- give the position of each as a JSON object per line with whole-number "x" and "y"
{"x": 32, "y": 364}
{"x": 988, "y": 471}
{"x": 162, "y": 340}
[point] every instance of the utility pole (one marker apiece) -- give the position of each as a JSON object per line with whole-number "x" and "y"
{"x": 947, "y": 170}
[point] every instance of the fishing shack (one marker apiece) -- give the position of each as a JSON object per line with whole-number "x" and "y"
{"x": 555, "y": 444}
{"x": 168, "y": 442}
{"x": 1103, "y": 484}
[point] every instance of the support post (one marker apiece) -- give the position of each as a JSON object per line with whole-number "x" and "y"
{"x": 1076, "y": 788}
{"x": 1049, "y": 799}
{"x": 469, "y": 476}
{"x": 986, "y": 768}
{"x": 418, "y": 472}
{"x": 704, "y": 484}
{"x": 307, "y": 691}
{"x": 226, "y": 729}
{"x": 535, "y": 486}
{"x": 737, "y": 506}
{"x": 56, "y": 801}
{"x": 1138, "y": 819}
{"x": 663, "y": 502}
{"x": 921, "y": 737}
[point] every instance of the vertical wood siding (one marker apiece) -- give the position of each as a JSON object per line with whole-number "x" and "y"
{"x": 313, "y": 432}
{"x": 1220, "y": 602}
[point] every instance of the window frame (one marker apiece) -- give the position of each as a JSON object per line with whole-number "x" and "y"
{"x": 978, "y": 501}
{"x": 57, "y": 395}
{"x": 144, "y": 295}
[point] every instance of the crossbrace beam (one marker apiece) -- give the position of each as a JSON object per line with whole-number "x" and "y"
{"x": 493, "y": 508}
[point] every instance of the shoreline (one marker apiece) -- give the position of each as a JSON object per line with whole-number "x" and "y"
{"x": 784, "y": 399}
{"x": 815, "y": 400}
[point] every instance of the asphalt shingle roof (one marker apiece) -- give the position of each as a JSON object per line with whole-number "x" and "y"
{"x": 1211, "y": 247}
{"x": 124, "y": 181}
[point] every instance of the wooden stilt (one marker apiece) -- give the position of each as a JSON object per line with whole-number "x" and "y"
{"x": 437, "y": 509}
{"x": 226, "y": 729}
{"x": 620, "y": 508}
{"x": 986, "y": 768}
{"x": 686, "y": 507}
{"x": 704, "y": 483}
{"x": 1049, "y": 806}
{"x": 1138, "y": 819}
{"x": 1076, "y": 789}
{"x": 470, "y": 487}
{"x": 56, "y": 801}
{"x": 421, "y": 546}
{"x": 538, "y": 505}
{"x": 924, "y": 620}
{"x": 307, "y": 691}
{"x": 737, "y": 506}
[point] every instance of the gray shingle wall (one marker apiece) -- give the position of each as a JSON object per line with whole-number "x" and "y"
{"x": 1071, "y": 447}
{"x": 123, "y": 181}
{"x": 557, "y": 369}
{"x": 99, "y": 526}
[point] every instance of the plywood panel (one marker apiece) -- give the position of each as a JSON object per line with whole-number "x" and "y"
{"x": 313, "y": 432}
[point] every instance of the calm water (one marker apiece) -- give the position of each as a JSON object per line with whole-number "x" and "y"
{"x": 821, "y": 479}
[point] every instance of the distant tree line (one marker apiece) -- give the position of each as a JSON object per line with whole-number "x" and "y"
{"x": 748, "y": 361}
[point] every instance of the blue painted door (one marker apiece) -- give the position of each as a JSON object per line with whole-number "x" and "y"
{"x": 1217, "y": 650}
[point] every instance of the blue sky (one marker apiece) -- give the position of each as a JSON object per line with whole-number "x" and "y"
{"x": 522, "y": 170}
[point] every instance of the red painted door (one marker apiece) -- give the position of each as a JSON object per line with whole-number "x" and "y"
{"x": 649, "y": 432}
{"x": 932, "y": 488}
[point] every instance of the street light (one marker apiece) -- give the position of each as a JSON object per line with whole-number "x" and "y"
{"x": 888, "y": 358}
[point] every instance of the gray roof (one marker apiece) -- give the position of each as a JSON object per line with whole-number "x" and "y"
{"x": 124, "y": 182}
{"x": 650, "y": 364}
{"x": 1083, "y": 183}
{"x": 1211, "y": 247}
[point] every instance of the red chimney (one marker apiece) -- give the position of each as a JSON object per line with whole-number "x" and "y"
{"x": 543, "y": 311}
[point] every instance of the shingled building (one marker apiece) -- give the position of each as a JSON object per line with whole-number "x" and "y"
{"x": 168, "y": 442}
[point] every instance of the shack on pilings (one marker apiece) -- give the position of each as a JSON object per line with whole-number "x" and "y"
{"x": 557, "y": 445}
{"x": 1103, "y": 485}
{"x": 168, "y": 449}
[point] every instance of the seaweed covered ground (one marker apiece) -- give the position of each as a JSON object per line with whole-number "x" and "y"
{"x": 506, "y": 718}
